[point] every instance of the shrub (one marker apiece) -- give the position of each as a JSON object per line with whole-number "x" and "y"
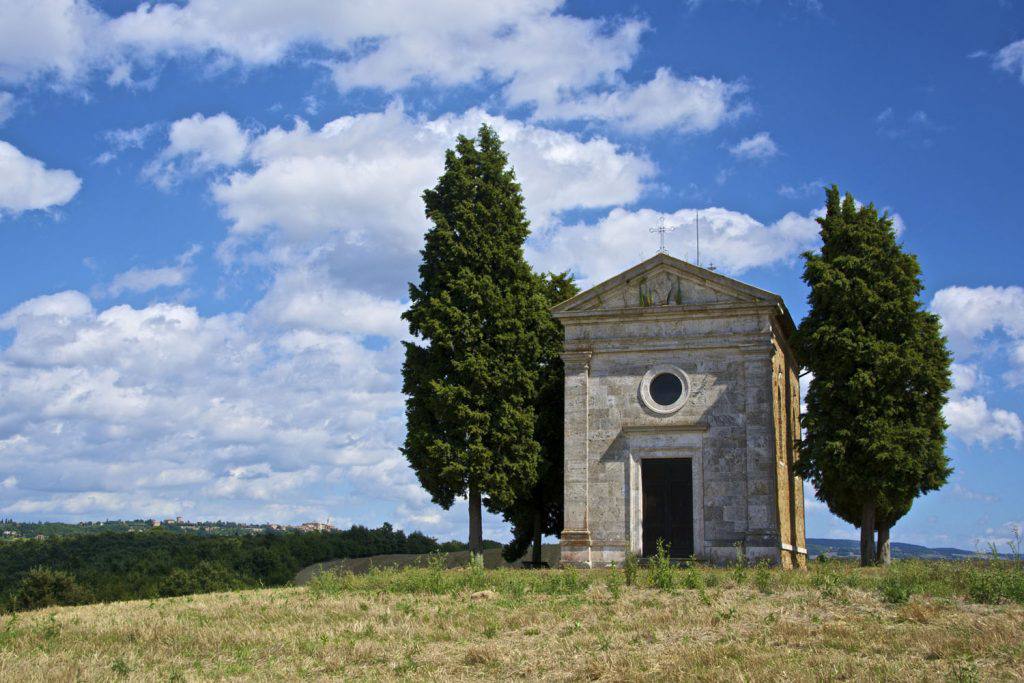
{"x": 894, "y": 589}
{"x": 205, "y": 577}
{"x": 45, "y": 587}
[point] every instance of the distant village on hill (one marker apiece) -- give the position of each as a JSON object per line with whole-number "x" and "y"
{"x": 11, "y": 530}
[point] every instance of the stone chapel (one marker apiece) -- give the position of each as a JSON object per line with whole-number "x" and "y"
{"x": 681, "y": 415}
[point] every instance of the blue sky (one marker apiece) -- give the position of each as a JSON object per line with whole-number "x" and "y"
{"x": 209, "y": 211}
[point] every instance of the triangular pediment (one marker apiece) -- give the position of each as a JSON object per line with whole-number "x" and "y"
{"x": 664, "y": 280}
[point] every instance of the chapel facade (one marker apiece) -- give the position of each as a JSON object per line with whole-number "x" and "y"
{"x": 682, "y": 408}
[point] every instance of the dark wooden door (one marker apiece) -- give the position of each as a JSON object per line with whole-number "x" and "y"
{"x": 668, "y": 505}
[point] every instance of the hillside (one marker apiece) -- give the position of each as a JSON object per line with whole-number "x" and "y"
{"x": 834, "y": 622}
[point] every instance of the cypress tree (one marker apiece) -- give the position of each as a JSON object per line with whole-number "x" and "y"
{"x": 470, "y": 377}
{"x": 874, "y": 431}
{"x": 537, "y": 511}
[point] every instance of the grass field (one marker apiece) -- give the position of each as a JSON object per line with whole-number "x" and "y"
{"x": 914, "y": 621}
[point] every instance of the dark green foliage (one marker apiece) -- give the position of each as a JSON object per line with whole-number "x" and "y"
{"x": 875, "y": 435}
{"x": 45, "y": 587}
{"x": 894, "y": 589}
{"x": 471, "y": 376}
{"x": 542, "y": 503}
{"x": 205, "y": 577}
{"x": 125, "y": 566}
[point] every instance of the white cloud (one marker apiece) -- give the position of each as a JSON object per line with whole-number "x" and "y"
{"x": 972, "y": 420}
{"x": 759, "y": 146}
{"x": 28, "y": 184}
{"x": 970, "y": 313}
{"x": 146, "y": 279}
{"x": 202, "y": 143}
{"x": 40, "y": 37}
{"x": 307, "y": 297}
{"x": 125, "y": 138}
{"x": 1011, "y": 59}
{"x": 980, "y": 321}
{"x": 687, "y": 105}
{"x": 136, "y": 410}
{"x": 565, "y": 67}
{"x": 351, "y": 190}
{"x": 732, "y": 241}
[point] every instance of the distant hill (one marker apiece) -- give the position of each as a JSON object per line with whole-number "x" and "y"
{"x": 843, "y": 547}
{"x": 833, "y": 547}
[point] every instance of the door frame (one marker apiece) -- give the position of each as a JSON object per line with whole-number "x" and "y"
{"x": 681, "y": 442}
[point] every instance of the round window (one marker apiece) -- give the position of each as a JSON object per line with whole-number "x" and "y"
{"x": 664, "y": 389}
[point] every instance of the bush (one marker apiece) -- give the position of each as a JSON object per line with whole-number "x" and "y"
{"x": 45, "y": 587}
{"x": 205, "y": 577}
{"x": 894, "y": 589}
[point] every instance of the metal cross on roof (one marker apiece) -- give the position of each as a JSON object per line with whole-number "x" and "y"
{"x": 661, "y": 230}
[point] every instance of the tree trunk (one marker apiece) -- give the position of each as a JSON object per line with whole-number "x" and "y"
{"x": 867, "y": 535}
{"x": 538, "y": 534}
{"x": 884, "y": 554}
{"x": 476, "y": 530}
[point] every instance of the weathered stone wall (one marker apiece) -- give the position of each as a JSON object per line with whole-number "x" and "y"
{"x": 727, "y": 420}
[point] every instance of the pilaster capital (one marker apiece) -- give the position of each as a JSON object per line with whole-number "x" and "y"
{"x": 576, "y": 361}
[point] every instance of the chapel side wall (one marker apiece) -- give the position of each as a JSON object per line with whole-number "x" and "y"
{"x": 786, "y": 422}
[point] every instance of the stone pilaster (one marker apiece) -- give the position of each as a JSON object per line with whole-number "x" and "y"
{"x": 576, "y": 532}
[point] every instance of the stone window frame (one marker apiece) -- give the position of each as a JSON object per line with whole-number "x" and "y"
{"x": 645, "y": 389}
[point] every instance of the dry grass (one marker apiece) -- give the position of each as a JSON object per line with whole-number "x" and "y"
{"x": 540, "y": 626}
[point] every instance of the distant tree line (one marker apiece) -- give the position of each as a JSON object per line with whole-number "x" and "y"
{"x": 125, "y": 566}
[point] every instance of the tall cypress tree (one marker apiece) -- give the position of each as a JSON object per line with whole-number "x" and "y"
{"x": 875, "y": 435}
{"x": 471, "y": 376}
{"x": 537, "y": 511}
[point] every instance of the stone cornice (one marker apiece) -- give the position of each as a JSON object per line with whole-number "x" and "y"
{"x": 672, "y": 312}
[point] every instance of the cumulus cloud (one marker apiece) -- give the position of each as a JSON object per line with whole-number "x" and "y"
{"x": 759, "y": 146}
{"x": 1011, "y": 59}
{"x": 145, "y": 279}
{"x": 981, "y": 321}
{"x": 972, "y": 420}
{"x": 732, "y": 241}
{"x": 196, "y": 144}
{"x": 40, "y": 37}
{"x": 155, "y": 410}
{"x": 687, "y": 105}
{"x": 351, "y": 190}
{"x": 970, "y": 314}
{"x": 28, "y": 184}
{"x": 565, "y": 67}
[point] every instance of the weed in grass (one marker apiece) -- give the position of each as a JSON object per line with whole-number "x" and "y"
{"x": 739, "y": 569}
{"x": 964, "y": 671}
{"x": 763, "y": 577}
{"x": 120, "y": 668}
{"x": 693, "y": 577}
{"x": 614, "y": 580}
{"x": 329, "y": 584}
{"x": 9, "y": 633}
{"x": 631, "y": 567}
{"x": 490, "y": 630}
{"x": 662, "y": 574}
